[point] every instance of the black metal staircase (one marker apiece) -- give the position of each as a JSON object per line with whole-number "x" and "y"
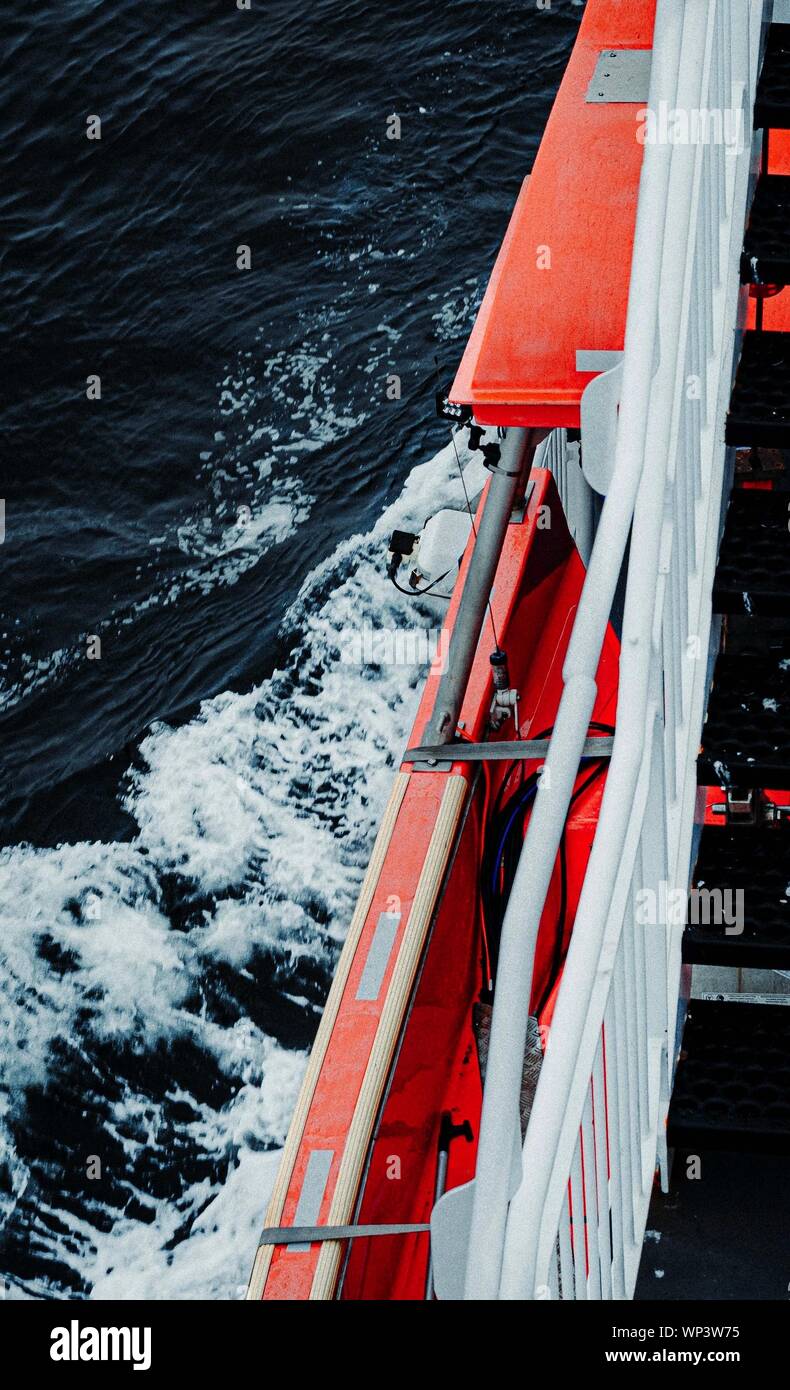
{"x": 766, "y": 250}
{"x": 753, "y": 575}
{"x": 732, "y": 1089}
{"x": 754, "y": 861}
{"x": 772, "y": 103}
{"x": 717, "y": 1233}
{"x": 732, "y": 1084}
{"x": 760, "y": 406}
{"x": 746, "y": 738}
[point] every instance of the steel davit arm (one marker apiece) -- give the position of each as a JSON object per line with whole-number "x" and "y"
{"x": 509, "y": 477}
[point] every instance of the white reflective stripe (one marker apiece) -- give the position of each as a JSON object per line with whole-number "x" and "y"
{"x": 597, "y": 359}
{"x": 378, "y": 957}
{"x": 274, "y": 1211}
{"x": 308, "y": 1208}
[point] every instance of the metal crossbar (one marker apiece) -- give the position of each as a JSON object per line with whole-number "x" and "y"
{"x": 308, "y": 1235}
{"x": 508, "y": 750}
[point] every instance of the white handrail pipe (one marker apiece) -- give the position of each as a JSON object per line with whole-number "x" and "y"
{"x": 530, "y": 886}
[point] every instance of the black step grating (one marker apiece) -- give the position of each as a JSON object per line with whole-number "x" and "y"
{"x": 772, "y": 106}
{"x": 751, "y": 864}
{"x": 732, "y": 1084}
{"x": 766, "y": 245}
{"x": 760, "y": 404}
{"x": 746, "y": 736}
{"x": 753, "y": 574}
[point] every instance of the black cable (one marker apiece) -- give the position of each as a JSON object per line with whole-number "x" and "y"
{"x": 468, "y": 501}
{"x": 544, "y": 733}
{"x": 416, "y": 593}
{"x": 497, "y": 860}
{"x": 498, "y": 810}
{"x": 502, "y": 844}
{"x": 559, "y": 954}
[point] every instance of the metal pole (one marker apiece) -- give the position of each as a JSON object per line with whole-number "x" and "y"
{"x": 441, "y": 1184}
{"x": 509, "y": 477}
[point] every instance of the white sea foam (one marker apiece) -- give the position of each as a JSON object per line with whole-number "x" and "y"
{"x": 263, "y": 807}
{"x": 458, "y": 309}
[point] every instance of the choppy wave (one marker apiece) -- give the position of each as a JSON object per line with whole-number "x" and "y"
{"x": 156, "y": 992}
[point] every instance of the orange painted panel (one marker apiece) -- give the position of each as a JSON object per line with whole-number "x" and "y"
{"x": 579, "y": 204}
{"x": 538, "y": 581}
{"x": 779, "y": 152}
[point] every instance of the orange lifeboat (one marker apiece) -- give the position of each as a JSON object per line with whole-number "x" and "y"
{"x": 388, "y": 1115}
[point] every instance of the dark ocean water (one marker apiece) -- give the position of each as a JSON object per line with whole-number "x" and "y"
{"x": 187, "y": 803}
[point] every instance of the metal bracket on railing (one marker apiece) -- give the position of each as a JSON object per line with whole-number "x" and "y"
{"x": 504, "y": 750}
{"x": 308, "y": 1235}
{"x": 749, "y": 807}
{"x": 599, "y": 404}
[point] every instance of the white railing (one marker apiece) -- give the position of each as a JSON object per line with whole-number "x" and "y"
{"x": 573, "y": 1227}
{"x": 562, "y": 460}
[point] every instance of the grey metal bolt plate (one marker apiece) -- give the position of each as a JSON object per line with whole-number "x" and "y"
{"x": 621, "y": 74}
